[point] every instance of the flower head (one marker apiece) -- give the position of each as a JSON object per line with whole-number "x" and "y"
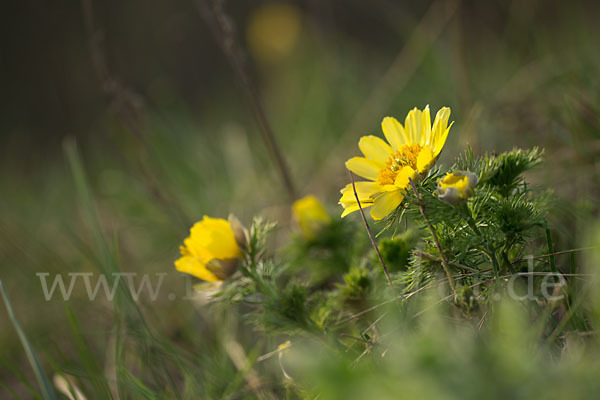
{"x": 456, "y": 186}
{"x": 213, "y": 249}
{"x": 411, "y": 151}
{"x": 310, "y": 215}
{"x": 273, "y": 31}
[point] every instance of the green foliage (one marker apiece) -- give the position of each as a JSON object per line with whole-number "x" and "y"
{"x": 328, "y": 254}
{"x": 287, "y": 311}
{"x": 502, "y": 212}
{"x": 357, "y": 284}
{"x": 505, "y": 172}
{"x": 352, "y": 335}
{"x": 396, "y": 251}
{"x": 259, "y": 231}
{"x": 515, "y": 216}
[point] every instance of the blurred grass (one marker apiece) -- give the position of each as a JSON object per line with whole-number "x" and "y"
{"x": 40, "y": 375}
{"x": 515, "y": 74}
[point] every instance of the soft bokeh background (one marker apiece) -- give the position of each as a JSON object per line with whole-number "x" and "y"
{"x": 166, "y": 134}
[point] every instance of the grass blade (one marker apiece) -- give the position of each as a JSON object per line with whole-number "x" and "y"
{"x": 93, "y": 370}
{"x": 40, "y": 375}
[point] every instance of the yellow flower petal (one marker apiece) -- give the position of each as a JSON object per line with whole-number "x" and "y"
{"x": 363, "y": 167}
{"x": 440, "y": 130}
{"x": 375, "y": 149}
{"x": 441, "y": 141}
{"x": 402, "y": 180}
{"x": 349, "y": 197}
{"x": 365, "y": 190}
{"x": 425, "y": 159}
{"x": 365, "y": 187}
{"x": 191, "y": 265}
{"x": 394, "y": 133}
{"x": 354, "y": 207}
{"x": 386, "y": 203}
{"x": 426, "y": 124}
{"x": 388, "y": 188}
{"x": 215, "y": 236}
{"x": 194, "y": 247}
{"x": 413, "y": 125}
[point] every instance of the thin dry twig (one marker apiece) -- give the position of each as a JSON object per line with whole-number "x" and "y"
{"x": 357, "y": 339}
{"x": 223, "y": 29}
{"x": 363, "y": 312}
{"x": 373, "y": 324}
{"x": 403, "y": 297}
{"x": 274, "y": 352}
{"x": 371, "y": 237}
{"x": 443, "y": 299}
{"x": 550, "y": 274}
{"x": 555, "y": 254}
{"x": 480, "y": 324}
{"x": 237, "y": 355}
{"x": 435, "y": 238}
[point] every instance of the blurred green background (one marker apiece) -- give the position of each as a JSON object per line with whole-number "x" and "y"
{"x": 166, "y": 134}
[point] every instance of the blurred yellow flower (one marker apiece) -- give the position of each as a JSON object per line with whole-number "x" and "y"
{"x": 273, "y": 31}
{"x": 310, "y": 215}
{"x": 411, "y": 152}
{"x": 456, "y": 186}
{"x": 212, "y": 250}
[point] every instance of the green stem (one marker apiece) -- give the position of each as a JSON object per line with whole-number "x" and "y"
{"x": 250, "y": 272}
{"x": 507, "y": 260}
{"x": 435, "y": 238}
{"x": 490, "y": 250}
{"x": 551, "y": 251}
{"x": 495, "y": 263}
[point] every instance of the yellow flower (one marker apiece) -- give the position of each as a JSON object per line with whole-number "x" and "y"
{"x": 456, "y": 186}
{"x": 310, "y": 215}
{"x": 273, "y": 31}
{"x": 213, "y": 249}
{"x": 411, "y": 152}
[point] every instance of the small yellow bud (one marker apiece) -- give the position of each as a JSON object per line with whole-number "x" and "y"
{"x": 456, "y": 186}
{"x": 310, "y": 215}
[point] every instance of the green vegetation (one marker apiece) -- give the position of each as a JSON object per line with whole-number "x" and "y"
{"x": 492, "y": 296}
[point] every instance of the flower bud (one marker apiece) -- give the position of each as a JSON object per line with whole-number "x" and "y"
{"x": 456, "y": 186}
{"x": 212, "y": 250}
{"x": 310, "y": 215}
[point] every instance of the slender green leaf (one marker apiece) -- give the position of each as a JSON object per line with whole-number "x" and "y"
{"x": 40, "y": 375}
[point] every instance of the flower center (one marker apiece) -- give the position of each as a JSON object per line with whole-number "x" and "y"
{"x": 406, "y": 156}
